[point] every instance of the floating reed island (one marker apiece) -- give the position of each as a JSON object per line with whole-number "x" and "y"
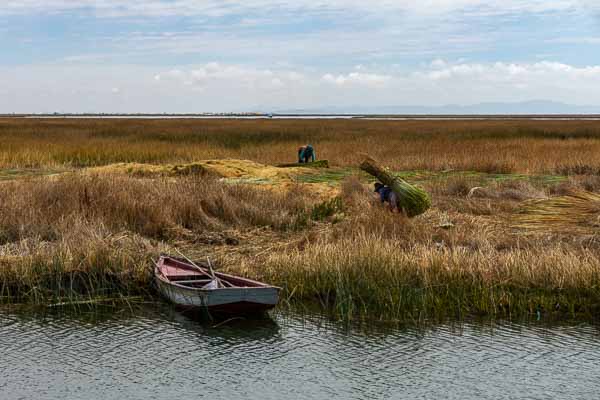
{"x": 491, "y": 242}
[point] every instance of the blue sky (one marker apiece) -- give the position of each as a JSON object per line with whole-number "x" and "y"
{"x": 209, "y": 55}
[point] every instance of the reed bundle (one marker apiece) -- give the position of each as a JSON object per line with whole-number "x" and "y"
{"x": 412, "y": 200}
{"x": 314, "y": 164}
{"x": 577, "y": 212}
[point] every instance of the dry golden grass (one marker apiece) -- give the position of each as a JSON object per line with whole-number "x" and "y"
{"x": 374, "y": 264}
{"x": 372, "y": 276}
{"x": 79, "y": 236}
{"x": 94, "y": 232}
{"x": 45, "y": 208}
{"x": 491, "y": 146}
{"x": 82, "y": 235}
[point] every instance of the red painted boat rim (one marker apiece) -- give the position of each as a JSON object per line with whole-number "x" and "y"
{"x": 186, "y": 265}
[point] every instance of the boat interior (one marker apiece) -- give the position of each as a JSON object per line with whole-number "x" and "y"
{"x": 199, "y": 275}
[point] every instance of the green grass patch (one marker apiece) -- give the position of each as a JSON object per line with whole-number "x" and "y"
{"x": 334, "y": 176}
{"x": 21, "y": 173}
{"x": 248, "y": 181}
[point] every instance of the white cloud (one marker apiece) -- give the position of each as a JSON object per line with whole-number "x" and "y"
{"x": 465, "y": 83}
{"x": 512, "y": 72}
{"x": 213, "y": 75}
{"x": 438, "y": 63}
{"x": 357, "y": 32}
{"x": 235, "y": 87}
{"x": 357, "y": 78}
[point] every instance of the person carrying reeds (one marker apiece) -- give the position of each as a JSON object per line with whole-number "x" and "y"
{"x": 386, "y": 194}
{"x": 306, "y": 153}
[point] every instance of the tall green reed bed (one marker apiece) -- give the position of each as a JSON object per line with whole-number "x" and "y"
{"x": 76, "y": 273}
{"x": 374, "y": 278}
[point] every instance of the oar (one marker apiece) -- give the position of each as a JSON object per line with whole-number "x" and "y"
{"x": 221, "y": 282}
{"x": 210, "y": 268}
{"x": 212, "y": 273}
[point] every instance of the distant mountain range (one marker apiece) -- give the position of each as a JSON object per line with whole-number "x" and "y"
{"x": 542, "y": 107}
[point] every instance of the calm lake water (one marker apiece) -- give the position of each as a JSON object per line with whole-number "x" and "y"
{"x": 161, "y": 354}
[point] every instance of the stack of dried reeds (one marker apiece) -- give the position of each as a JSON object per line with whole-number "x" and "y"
{"x": 412, "y": 200}
{"x": 314, "y": 164}
{"x": 577, "y": 212}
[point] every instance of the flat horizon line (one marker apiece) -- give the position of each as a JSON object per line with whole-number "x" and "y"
{"x": 303, "y": 115}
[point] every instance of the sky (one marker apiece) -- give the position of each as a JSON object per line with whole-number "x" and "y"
{"x": 266, "y": 55}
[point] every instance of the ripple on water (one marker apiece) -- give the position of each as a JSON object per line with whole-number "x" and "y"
{"x": 163, "y": 354}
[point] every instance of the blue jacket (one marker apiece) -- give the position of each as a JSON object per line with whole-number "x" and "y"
{"x": 384, "y": 193}
{"x": 306, "y": 153}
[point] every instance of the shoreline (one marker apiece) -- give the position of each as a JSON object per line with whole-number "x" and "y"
{"x": 326, "y": 252}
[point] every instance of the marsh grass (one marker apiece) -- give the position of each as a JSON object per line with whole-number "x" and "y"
{"x": 394, "y": 268}
{"x": 154, "y": 208}
{"x": 507, "y": 146}
{"x": 86, "y": 264}
{"x": 377, "y": 265}
{"x": 82, "y": 235}
{"x": 371, "y": 276}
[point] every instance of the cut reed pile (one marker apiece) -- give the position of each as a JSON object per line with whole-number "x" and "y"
{"x": 229, "y": 168}
{"x": 575, "y": 213}
{"x": 412, "y": 200}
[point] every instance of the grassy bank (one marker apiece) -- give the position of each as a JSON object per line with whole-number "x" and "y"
{"x": 371, "y": 277}
{"x": 81, "y": 236}
{"x": 463, "y": 258}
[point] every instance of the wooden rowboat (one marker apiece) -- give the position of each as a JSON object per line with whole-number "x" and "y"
{"x": 196, "y": 286}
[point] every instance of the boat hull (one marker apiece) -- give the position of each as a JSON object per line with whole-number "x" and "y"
{"x": 225, "y": 300}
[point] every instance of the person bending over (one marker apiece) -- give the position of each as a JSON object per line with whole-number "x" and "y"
{"x": 386, "y": 194}
{"x": 306, "y": 153}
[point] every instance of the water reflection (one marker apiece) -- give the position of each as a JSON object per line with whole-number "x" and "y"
{"x": 163, "y": 354}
